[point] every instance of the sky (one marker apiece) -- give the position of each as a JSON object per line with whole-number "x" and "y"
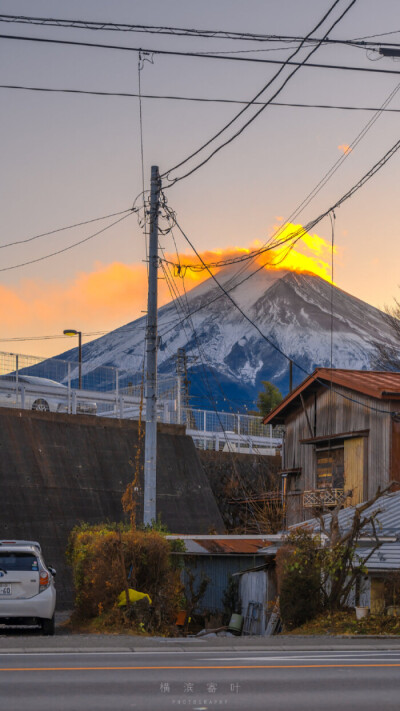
{"x": 69, "y": 158}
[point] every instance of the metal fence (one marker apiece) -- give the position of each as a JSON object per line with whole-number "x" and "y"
{"x": 228, "y": 431}
{"x": 118, "y": 393}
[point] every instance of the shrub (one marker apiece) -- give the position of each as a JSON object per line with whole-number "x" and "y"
{"x": 108, "y": 559}
{"x": 299, "y": 580}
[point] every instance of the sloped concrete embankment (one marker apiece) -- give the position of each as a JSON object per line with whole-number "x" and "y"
{"x": 58, "y": 470}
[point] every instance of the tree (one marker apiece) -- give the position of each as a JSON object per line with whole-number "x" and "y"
{"x": 318, "y": 570}
{"x": 268, "y": 398}
{"x": 387, "y": 355}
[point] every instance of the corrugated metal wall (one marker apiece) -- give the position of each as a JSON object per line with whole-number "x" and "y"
{"x": 254, "y": 588}
{"x": 218, "y": 569}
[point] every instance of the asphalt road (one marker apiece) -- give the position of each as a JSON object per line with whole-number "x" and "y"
{"x": 200, "y": 679}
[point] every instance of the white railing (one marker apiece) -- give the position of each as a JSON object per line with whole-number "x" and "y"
{"x": 115, "y": 393}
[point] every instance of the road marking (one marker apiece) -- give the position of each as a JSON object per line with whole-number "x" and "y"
{"x": 188, "y": 667}
{"x": 288, "y": 654}
{"x": 307, "y": 658}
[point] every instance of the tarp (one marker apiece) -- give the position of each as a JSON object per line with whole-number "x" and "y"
{"x": 134, "y": 596}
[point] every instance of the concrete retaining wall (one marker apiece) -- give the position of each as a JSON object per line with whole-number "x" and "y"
{"x": 58, "y": 470}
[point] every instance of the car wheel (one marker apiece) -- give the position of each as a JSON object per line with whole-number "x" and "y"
{"x": 41, "y": 405}
{"x": 48, "y": 626}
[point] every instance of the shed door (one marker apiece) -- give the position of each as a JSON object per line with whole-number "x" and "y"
{"x": 354, "y": 469}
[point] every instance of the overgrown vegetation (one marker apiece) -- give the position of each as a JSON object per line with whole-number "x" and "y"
{"x": 247, "y": 490}
{"x": 110, "y": 559}
{"x": 317, "y": 572}
{"x": 344, "y": 622}
{"x": 299, "y": 579}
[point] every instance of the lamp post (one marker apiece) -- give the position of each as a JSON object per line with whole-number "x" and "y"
{"x": 73, "y": 332}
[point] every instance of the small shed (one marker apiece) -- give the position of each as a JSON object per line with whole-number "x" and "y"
{"x": 342, "y": 434}
{"x": 218, "y": 558}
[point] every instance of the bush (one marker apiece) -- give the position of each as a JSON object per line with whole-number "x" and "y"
{"x": 299, "y": 580}
{"x": 106, "y": 559}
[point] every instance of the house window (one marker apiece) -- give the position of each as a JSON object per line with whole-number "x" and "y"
{"x": 330, "y": 468}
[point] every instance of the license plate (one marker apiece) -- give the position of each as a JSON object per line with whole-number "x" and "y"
{"x": 5, "y": 589}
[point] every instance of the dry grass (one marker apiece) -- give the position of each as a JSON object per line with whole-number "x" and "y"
{"x": 345, "y": 623}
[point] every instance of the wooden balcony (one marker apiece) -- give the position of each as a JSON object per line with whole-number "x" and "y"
{"x": 322, "y": 498}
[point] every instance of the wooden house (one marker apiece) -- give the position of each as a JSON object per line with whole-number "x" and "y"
{"x": 342, "y": 434}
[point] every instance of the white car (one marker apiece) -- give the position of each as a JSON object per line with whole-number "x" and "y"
{"x": 27, "y": 588}
{"x": 40, "y": 394}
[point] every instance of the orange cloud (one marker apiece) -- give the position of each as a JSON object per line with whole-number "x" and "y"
{"x": 345, "y": 148}
{"x": 310, "y": 254}
{"x": 114, "y": 294}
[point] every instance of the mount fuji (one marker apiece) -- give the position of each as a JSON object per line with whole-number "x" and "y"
{"x": 227, "y": 356}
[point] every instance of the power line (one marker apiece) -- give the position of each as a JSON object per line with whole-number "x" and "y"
{"x": 260, "y": 110}
{"x": 271, "y": 244}
{"x": 298, "y": 234}
{"x": 180, "y": 31}
{"x": 166, "y": 97}
{"x": 62, "y": 229}
{"x": 66, "y": 249}
{"x": 199, "y": 55}
{"x": 268, "y": 340}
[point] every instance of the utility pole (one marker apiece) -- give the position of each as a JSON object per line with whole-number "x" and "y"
{"x": 150, "y": 444}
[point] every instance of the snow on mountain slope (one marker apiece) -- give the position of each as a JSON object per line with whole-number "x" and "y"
{"x": 292, "y": 310}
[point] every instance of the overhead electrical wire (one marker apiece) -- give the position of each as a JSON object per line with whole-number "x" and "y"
{"x": 273, "y": 243}
{"x": 226, "y": 293}
{"x": 66, "y": 249}
{"x": 199, "y": 55}
{"x": 178, "y": 31}
{"x": 199, "y": 99}
{"x": 257, "y": 96}
{"x": 297, "y": 234}
{"x": 62, "y": 229}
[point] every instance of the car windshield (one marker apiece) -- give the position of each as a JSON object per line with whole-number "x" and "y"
{"x": 33, "y": 380}
{"x": 18, "y": 560}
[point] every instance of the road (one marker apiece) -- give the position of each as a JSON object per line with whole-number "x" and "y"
{"x": 201, "y": 679}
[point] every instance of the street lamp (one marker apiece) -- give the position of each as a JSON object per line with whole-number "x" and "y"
{"x": 73, "y": 332}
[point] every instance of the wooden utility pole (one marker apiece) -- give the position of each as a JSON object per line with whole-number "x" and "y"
{"x": 150, "y": 445}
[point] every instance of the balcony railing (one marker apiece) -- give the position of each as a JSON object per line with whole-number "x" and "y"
{"x": 315, "y": 498}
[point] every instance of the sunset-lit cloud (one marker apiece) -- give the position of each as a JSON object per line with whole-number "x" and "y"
{"x": 345, "y": 148}
{"x": 113, "y": 294}
{"x": 310, "y": 254}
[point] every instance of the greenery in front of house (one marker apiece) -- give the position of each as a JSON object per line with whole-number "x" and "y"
{"x": 317, "y": 572}
{"x": 110, "y": 559}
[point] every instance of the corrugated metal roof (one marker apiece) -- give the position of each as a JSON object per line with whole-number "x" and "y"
{"x": 387, "y": 509}
{"x": 387, "y": 557}
{"x": 387, "y": 523}
{"x": 221, "y": 546}
{"x": 378, "y": 384}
